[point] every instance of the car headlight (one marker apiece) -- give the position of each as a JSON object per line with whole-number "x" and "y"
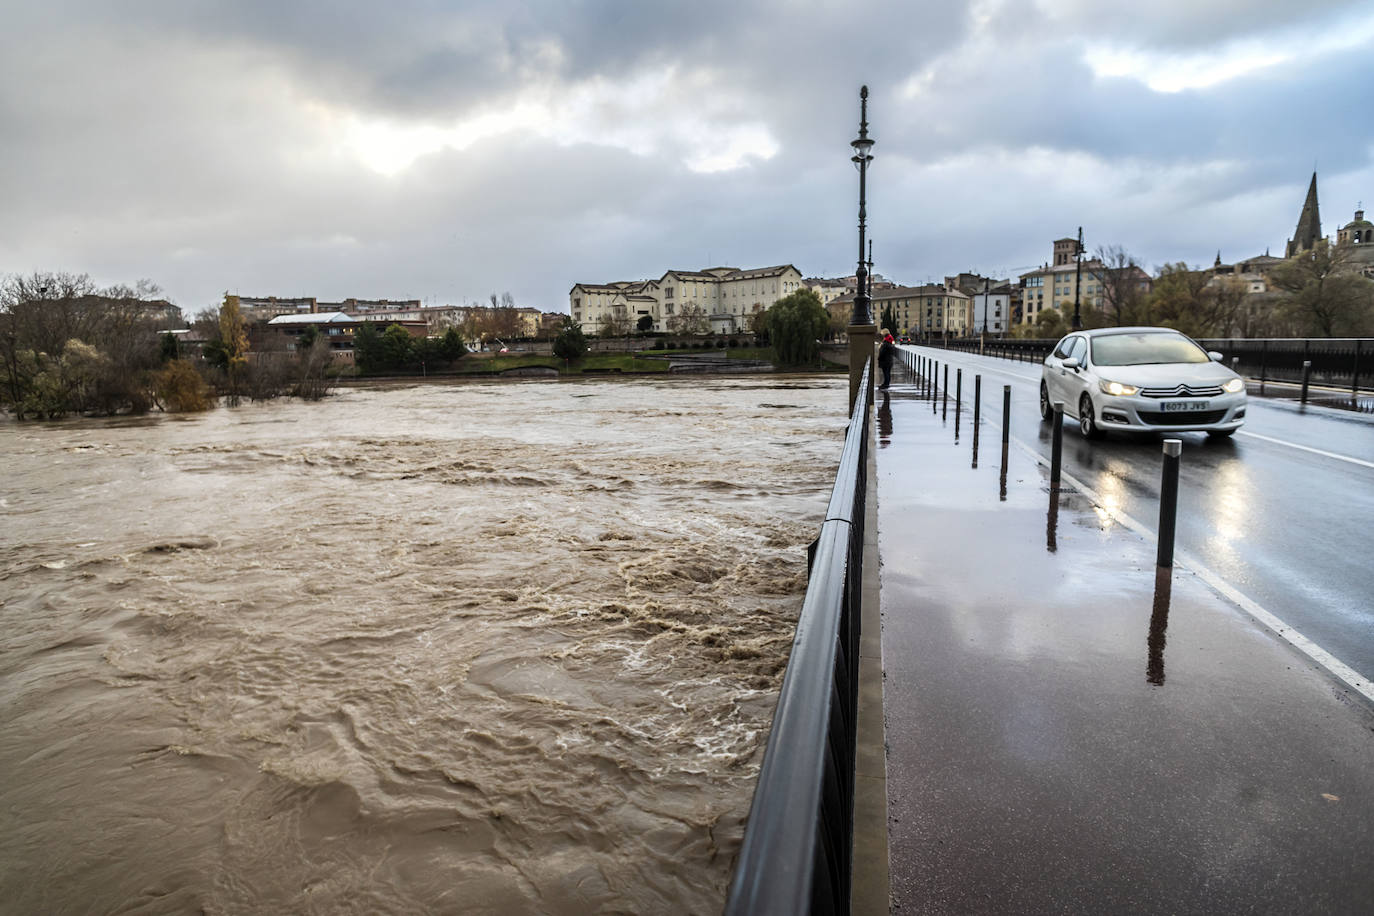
{"x": 1234, "y": 385}
{"x": 1116, "y": 388}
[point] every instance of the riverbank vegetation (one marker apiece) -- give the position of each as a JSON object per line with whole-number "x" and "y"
{"x": 68, "y": 347}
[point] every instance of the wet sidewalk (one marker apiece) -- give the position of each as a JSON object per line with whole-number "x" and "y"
{"x": 1059, "y": 744}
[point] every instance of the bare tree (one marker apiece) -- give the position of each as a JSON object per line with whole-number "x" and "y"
{"x": 1189, "y": 301}
{"x": 1122, "y": 281}
{"x": 690, "y": 319}
{"x": 614, "y": 323}
{"x": 1323, "y": 295}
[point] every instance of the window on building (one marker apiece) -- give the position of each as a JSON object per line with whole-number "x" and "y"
{"x": 668, "y": 292}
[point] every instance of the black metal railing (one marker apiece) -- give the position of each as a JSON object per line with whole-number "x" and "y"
{"x": 1341, "y": 362}
{"x": 1026, "y": 350}
{"x": 797, "y": 850}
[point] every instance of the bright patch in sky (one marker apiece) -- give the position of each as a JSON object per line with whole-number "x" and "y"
{"x": 1178, "y": 72}
{"x": 1175, "y": 73}
{"x": 624, "y": 116}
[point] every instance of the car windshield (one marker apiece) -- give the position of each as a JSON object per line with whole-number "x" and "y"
{"x": 1136, "y": 349}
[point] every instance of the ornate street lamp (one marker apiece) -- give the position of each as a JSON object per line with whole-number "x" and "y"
{"x": 861, "y": 158}
{"x": 1078, "y": 281}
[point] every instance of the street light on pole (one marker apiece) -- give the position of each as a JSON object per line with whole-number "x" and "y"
{"x": 983, "y": 328}
{"x": 1078, "y": 281}
{"x": 861, "y": 329}
{"x": 861, "y": 158}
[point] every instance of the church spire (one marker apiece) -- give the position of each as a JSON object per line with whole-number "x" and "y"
{"x": 1309, "y": 229}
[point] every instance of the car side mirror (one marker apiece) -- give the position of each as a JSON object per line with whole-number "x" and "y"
{"x": 1215, "y": 356}
{"x": 1071, "y": 363}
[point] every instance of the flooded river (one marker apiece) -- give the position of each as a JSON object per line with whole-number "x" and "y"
{"x": 475, "y": 648}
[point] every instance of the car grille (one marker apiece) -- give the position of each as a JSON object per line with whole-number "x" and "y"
{"x": 1182, "y": 391}
{"x": 1180, "y": 417}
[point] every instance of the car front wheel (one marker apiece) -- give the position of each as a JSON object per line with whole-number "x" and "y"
{"x": 1087, "y": 419}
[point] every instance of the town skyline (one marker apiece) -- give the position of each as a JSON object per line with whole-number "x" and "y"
{"x": 444, "y": 152}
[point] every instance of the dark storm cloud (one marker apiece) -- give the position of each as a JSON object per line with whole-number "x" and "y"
{"x": 212, "y": 145}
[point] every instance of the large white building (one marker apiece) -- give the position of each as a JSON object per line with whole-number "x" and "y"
{"x": 718, "y": 300}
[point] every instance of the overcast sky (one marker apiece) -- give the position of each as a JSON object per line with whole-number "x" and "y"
{"x": 448, "y": 150}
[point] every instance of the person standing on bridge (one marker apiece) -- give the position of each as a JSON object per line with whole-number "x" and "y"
{"x": 886, "y": 354}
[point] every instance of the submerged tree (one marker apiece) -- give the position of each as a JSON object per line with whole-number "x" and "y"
{"x": 233, "y": 343}
{"x": 67, "y": 347}
{"x": 181, "y": 388}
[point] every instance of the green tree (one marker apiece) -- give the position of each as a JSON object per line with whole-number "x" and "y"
{"x": 1049, "y": 323}
{"x": 571, "y": 343}
{"x": 796, "y": 324}
{"x": 1322, "y": 295}
{"x": 889, "y": 320}
{"x": 451, "y": 346}
{"x": 427, "y": 352}
{"x": 367, "y": 348}
{"x": 645, "y": 323}
{"x": 167, "y": 348}
{"x": 397, "y": 347}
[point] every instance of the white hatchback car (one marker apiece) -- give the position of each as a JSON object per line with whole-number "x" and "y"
{"x": 1141, "y": 379}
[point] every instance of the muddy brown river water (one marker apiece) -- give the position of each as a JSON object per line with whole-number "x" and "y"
{"x": 476, "y": 648}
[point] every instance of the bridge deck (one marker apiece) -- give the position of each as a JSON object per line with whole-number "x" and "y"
{"x": 1055, "y": 745}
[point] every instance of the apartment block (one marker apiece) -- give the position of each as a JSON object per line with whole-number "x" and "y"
{"x": 718, "y": 300}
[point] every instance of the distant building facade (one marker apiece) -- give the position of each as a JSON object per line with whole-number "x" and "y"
{"x": 931, "y": 310}
{"x": 1057, "y": 283}
{"x": 722, "y": 300}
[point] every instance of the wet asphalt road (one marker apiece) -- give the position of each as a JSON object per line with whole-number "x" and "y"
{"x": 1060, "y": 740}
{"x": 1283, "y": 512}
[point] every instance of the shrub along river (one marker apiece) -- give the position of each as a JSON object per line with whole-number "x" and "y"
{"x": 479, "y": 648}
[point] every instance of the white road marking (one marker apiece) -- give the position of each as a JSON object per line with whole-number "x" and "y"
{"x": 1333, "y": 665}
{"x": 1307, "y": 448}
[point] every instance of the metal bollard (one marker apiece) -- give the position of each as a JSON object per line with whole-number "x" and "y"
{"x": 977, "y": 400}
{"x": 958, "y": 399}
{"x": 934, "y": 389}
{"x": 977, "y": 403}
{"x": 1006, "y": 434}
{"x": 1056, "y": 450}
{"x": 1306, "y": 377}
{"x": 945, "y": 399}
{"x": 1168, "y": 502}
